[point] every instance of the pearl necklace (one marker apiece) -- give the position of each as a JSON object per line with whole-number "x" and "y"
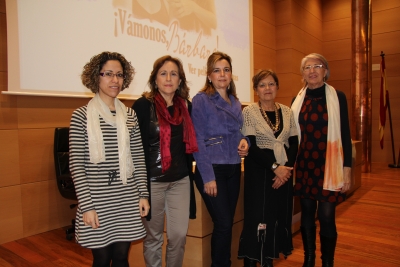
{"x": 275, "y": 127}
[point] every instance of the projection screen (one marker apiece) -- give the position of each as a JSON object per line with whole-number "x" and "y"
{"x": 50, "y": 41}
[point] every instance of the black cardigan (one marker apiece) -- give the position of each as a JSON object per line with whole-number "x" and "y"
{"x": 142, "y": 109}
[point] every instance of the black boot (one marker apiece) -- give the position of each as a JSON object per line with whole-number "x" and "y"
{"x": 308, "y": 236}
{"x": 328, "y": 245}
{"x": 249, "y": 262}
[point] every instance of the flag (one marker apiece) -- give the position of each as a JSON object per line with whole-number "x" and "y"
{"x": 382, "y": 102}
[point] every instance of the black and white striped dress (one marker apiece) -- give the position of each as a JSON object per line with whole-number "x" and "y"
{"x": 98, "y": 186}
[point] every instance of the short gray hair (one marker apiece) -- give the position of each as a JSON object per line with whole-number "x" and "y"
{"x": 317, "y": 57}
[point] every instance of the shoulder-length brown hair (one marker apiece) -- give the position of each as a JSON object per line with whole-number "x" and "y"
{"x": 91, "y": 71}
{"x": 182, "y": 90}
{"x": 208, "y": 87}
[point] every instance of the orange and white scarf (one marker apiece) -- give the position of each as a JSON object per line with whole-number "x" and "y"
{"x": 333, "y": 176}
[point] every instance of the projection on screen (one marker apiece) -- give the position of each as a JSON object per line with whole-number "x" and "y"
{"x": 56, "y": 39}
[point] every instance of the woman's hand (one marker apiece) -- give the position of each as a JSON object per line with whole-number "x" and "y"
{"x": 210, "y": 188}
{"x": 346, "y": 179}
{"x": 144, "y": 207}
{"x": 243, "y": 148}
{"x": 283, "y": 174}
{"x": 90, "y": 218}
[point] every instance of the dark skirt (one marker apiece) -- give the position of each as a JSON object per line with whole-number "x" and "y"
{"x": 265, "y": 205}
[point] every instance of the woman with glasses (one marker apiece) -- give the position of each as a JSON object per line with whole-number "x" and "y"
{"x": 168, "y": 141}
{"x": 323, "y": 166}
{"x": 107, "y": 164}
{"x": 217, "y": 118}
{"x": 268, "y": 182}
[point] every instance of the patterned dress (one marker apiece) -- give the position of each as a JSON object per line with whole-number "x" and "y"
{"x": 313, "y": 120}
{"x": 99, "y": 188}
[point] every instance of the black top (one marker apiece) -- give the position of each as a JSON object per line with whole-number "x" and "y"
{"x": 177, "y": 170}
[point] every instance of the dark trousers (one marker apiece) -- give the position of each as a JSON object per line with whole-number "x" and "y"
{"x": 222, "y": 210}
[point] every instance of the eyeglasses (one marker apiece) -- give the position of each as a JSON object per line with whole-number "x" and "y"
{"x": 264, "y": 85}
{"x": 111, "y": 75}
{"x": 315, "y": 67}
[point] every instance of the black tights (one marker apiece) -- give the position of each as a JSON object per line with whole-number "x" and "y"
{"x": 117, "y": 253}
{"x": 326, "y": 216}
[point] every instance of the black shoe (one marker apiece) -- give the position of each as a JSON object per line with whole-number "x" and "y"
{"x": 308, "y": 236}
{"x": 328, "y": 245}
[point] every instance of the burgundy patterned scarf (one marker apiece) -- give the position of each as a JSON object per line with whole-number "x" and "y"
{"x": 181, "y": 114}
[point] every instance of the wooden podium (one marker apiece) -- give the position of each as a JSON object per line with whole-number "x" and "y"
{"x": 198, "y": 249}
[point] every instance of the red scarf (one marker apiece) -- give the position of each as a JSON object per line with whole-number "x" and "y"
{"x": 181, "y": 114}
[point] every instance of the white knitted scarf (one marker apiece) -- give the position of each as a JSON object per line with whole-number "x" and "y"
{"x": 333, "y": 176}
{"x": 96, "y": 108}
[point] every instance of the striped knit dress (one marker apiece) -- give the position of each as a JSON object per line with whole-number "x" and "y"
{"x": 98, "y": 186}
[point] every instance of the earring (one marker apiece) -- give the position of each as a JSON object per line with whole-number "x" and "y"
{"x": 209, "y": 81}
{"x": 229, "y": 86}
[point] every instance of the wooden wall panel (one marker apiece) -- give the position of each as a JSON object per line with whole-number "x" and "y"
{"x": 386, "y": 42}
{"x": 284, "y": 36}
{"x": 312, "y": 6}
{"x": 283, "y": 12}
{"x": 395, "y": 110}
{"x": 379, "y": 5}
{"x": 263, "y": 33}
{"x": 265, "y": 10}
{"x": 338, "y": 9}
{"x": 311, "y": 24}
{"x": 342, "y": 85}
{"x": 202, "y": 225}
{"x": 43, "y": 208}
{"x": 290, "y": 85}
{"x": 392, "y": 85}
{"x": 392, "y": 62}
{"x": 386, "y": 21}
{"x": 289, "y": 61}
{"x": 290, "y": 37}
{"x": 11, "y": 214}
{"x": 264, "y": 57}
{"x": 8, "y": 108}
{"x": 2, "y": 6}
{"x": 36, "y": 155}
{"x": 9, "y": 159}
{"x": 386, "y": 37}
{"x": 3, "y": 42}
{"x": 337, "y": 29}
{"x": 337, "y": 49}
{"x": 3, "y": 81}
{"x": 340, "y": 69}
{"x": 311, "y": 45}
{"x": 45, "y": 112}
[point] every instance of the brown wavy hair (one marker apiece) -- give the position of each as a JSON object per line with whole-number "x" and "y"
{"x": 91, "y": 71}
{"x": 261, "y": 75}
{"x": 182, "y": 90}
{"x": 208, "y": 87}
